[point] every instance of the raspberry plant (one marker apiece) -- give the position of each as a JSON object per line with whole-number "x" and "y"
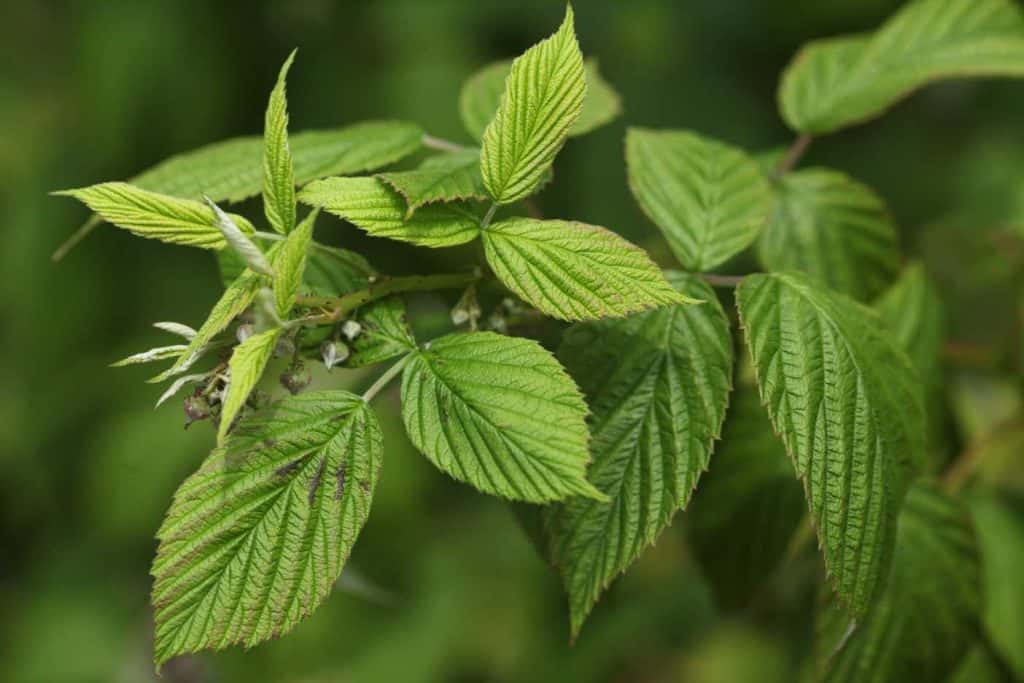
{"x": 608, "y": 437}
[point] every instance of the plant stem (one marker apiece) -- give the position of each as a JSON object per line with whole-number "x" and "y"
{"x": 722, "y": 280}
{"x": 488, "y": 216}
{"x": 84, "y": 231}
{"x": 384, "y": 379}
{"x": 793, "y": 154}
{"x": 343, "y": 305}
{"x": 440, "y": 144}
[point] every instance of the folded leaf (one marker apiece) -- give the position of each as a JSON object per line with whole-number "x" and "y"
{"x": 575, "y": 271}
{"x": 370, "y": 204}
{"x": 158, "y": 353}
{"x": 481, "y": 96}
{"x": 924, "y": 621}
{"x": 827, "y": 224}
{"x": 838, "y": 82}
{"x": 749, "y": 497}
{"x": 255, "y": 539}
{"x": 156, "y": 216}
{"x": 657, "y": 385}
{"x": 278, "y": 175}
{"x": 498, "y": 413}
{"x": 542, "y": 100}
{"x": 290, "y": 264}
{"x": 245, "y": 368}
{"x": 231, "y": 171}
{"x": 846, "y": 403}
{"x": 709, "y": 199}
{"x": 441, "y": 178}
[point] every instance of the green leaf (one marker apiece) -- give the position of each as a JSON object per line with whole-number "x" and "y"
{"x": 385, "y": 333}
{"x": 543, "y": 99}
{"x": 923, "y": 623}
{"x": 827, "y": 224}
{"x": 370, "y": 204}
{"x": 575, "y": 271}
{"x": 331, "y": 271}
{"x": 156, "y": 216}
{"x": 481, "y": 96}
{"x": 999, "y": 521}
{"x": 237, "y": 297}
{"x": 657, "y": 385}
{"x": 749, "y": 497}
{"x": 255, "y": 539}
{"x": 709, "y": 199}
{"x": 278, "y": 175}
{"x": 441, "y": 178}
{"x": 232, "y": 170}
{"x": 158, "y": 353}
{"x": 245, "y": 368}
{"x": 846, "y": 403}
{"x": 498, "y": 413}
{"x": 290, "y": 264}
{"x": 838, "y": 82}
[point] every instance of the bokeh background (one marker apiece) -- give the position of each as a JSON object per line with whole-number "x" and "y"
{"x": 444, "y": 585}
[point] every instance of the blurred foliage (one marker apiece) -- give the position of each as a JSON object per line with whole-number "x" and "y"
{"x": 443, "y": 585}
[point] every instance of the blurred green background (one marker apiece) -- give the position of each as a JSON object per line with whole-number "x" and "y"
{"x": 445, "y": 586}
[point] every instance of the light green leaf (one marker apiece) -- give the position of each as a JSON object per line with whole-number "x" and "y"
{"x": 999, "y": 521}
{"x": 498, "y": 413}
{"x": 232, "y": 170}
{"x": 255, "y": 539}
{"x": 827, "y": 224}
{"x": 657, "y": 385}
{"x": 709, "y": 199}
{"x": 441, "y": 178}
{"x": 543, "y": 99}
{"x": 385, "y": 333}
{"x": 156, "y": 216}
{"x": 278, "y": 175}
{"x": 370, "y": 204}
{"x": 749, "y": 497}
{"x": 481, "y": 96}
{"x": 158, "y": 353}
{"x": 245, "y": 368}
{"x": 923, "y": 623}
{"x": 575, "y": 271}
{"x": 237, "y": 297}
{"x": 290, "y": 264}
{"x": 838, "y": 82}
{"x": 846, "y": 403}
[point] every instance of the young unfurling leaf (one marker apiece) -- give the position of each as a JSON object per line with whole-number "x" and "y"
{"x": 255, "y": 539}
{"x": 248, "y": 361}
{"x": 543, "y": 99}
{"x": 575, "y": 271}
{"x": 278, "y": 175}
{"x": 498, "y": 413}
{"x": 290, "y": 264}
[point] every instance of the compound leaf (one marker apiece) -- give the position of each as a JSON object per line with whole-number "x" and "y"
{"x": 657, "y": 385}
{"x": 575, "y": 271}
{"x": 278, "y": 175}
{"x": 156, "y": 216}
{"x": 542, "y": 100}
{"x": 838, "y": 82}
{"x": 481, "y": 96}
{"x": 372, "y": 205}
{"x": 255, "y": 539}
{"x": 441, "y": 178}
{"x": 924, "y": 621}
{"x": 498, "y": 413}
{"x": 827, "y": 224}
{"x": 245, "y": 368}
{"x": 709, "y": 199}
{"x": 846, "y": 403}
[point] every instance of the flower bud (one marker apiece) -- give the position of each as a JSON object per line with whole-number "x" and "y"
{"x": 244, "y": 331}
{"x": 351, "y": 329}
{"x": 333, "y": 353}
{"x": 285, "y": 347}
{"x": 196, "y": 408}
{"x": 296, "y": 378}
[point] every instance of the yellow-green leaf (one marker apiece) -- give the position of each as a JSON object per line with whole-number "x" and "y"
{"x": 278, "y": 175}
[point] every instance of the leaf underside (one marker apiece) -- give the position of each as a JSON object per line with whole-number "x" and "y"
{"x": 256, "y": 537}
{"x": 846, "y": 404}
{"x": 841, "y": 81}
{"x": 657, "y": 385}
